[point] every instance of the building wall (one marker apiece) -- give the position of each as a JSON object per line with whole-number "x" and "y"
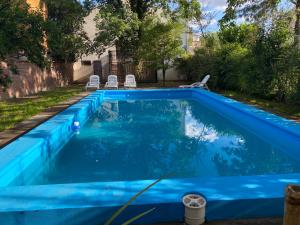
{"x": 82, "y": 70}
{"x": 38, "y": 5}
{"x": 108, "y": 68}
{"x": 34, "y": 3}
{"x": 31, "y": 79}
{"x": 90, "y": 28}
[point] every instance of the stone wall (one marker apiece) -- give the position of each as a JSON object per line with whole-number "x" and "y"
{"x": 31, "y": 79}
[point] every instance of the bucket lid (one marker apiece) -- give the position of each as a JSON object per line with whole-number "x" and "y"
{"x": 194, "y": 201}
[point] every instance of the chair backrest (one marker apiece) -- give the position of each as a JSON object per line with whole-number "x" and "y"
{"x": 205, "y": 79}
{"x": 130, "y": 79}
{"x": 197, "y": 84}
{"x": 112, "y": 80}
{"x": 94, "y": 79}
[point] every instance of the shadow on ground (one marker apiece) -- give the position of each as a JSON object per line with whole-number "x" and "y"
{"x": 265, "y": 221}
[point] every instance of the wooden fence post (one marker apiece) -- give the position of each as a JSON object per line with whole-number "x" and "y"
{"x": 292, "y": 205}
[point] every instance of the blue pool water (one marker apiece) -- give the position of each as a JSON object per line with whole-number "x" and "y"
{"x": 148, "y": 139}
{"x": 237, "y": 156}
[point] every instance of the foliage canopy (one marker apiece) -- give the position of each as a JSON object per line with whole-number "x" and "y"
{"x": 21, "y": 34}
{"x": 160, "y": 43}
{"x": 251, "y": 58}
{"x": 260, "y": 10}
{"x": 67, "y": 41}
{"x": 120, "y": 23}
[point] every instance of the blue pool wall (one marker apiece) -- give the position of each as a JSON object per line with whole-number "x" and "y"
{"x": 92, "y": 203}
{"x": 265, "y": 124}
{"x": 32, "y": 150}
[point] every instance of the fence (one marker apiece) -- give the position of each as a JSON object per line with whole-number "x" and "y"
{"x": 123, "y": 67}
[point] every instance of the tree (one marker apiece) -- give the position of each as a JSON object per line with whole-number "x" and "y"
{"x": 119, "y": 22}
{"x": 160, "y": 43}
{"x": 21, "y": 34}
{"x": 67, "y": 41}
{"x": 257, "y": 10}
{"x": 203, "y": 61}
{"x": 251, "y": 58}
{"x": 116, "y": 27}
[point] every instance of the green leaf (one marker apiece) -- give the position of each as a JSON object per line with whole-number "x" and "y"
{"x": 120, "y": 210}
{"x": 138, "y": 216}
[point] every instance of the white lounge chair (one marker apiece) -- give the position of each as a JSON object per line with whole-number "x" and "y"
{"x": 94, "y": 82}
{"x": 202, "y": 84}
{"x": 112, "y": 82}
{"x": 130, "y": 81}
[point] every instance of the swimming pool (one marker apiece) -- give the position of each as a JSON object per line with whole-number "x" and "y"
{"x": 235, "y": 155}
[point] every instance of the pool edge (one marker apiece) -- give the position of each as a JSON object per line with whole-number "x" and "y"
{"x": 269, "y": 197}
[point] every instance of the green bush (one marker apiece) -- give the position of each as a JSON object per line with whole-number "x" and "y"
{"x": 250, "y": 58}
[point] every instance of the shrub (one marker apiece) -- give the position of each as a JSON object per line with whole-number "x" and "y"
{"x": 257, "y": 60}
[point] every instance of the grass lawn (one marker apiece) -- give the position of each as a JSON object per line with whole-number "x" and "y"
{"x": 13, "y": 111}
{"x": 289, "y": 111}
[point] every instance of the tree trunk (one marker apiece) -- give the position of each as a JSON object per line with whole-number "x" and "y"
{"x": 164, "y": 76}
{"x": 297, "y": 25}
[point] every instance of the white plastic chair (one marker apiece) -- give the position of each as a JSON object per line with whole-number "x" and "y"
{"x": 202, "y": 84}
{"x": 130, "y": 81}
{"x": 94, "y": 82}
{"x": 112, "y": 82}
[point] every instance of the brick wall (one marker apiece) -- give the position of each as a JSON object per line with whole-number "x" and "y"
{"x": 31, "y": 79}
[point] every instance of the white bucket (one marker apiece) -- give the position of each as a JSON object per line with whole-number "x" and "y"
{"x": 194, "y": 209}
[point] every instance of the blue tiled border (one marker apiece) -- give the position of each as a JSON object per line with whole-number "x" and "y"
{"x": 92, "y": 203}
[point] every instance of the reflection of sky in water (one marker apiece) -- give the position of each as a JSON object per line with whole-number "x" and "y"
{"x": 131, "y": 140}
{"x": 213, "y": 141}
{"x": 198, "y": 130}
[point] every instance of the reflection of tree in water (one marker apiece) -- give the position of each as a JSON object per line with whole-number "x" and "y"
{"x": 153, "y": 137}
{"x": 149, "y": 139}
{"x": 243, "y": 152}
{"x": 248, "y": 161}
{"x": 195, "y": 129}
{"x": 161, "y": 137}
{"x": 108, "y": 111}
{"x": 211, "y": 119}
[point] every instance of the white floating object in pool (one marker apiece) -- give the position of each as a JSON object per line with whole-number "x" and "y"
{"x": 194, "y": 209}
{"x": 76, "y": 127}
